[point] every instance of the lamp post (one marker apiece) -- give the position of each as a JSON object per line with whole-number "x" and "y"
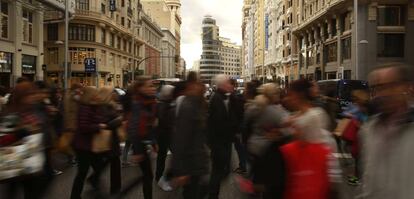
{"x": 65, "y": 79}
{"x": 356, "y": 39}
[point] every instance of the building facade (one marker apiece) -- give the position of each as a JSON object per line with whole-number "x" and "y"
{"x": 168, "y": 53}
{"x": 335, "y": 41}
{"x": 230, "y": 56}
{"x": 110, "y": 34}
{"x": 21, "y": 41}
{"x": 210, "y": 63}
{"x": 152, "y": 35}
{"x": 167, "y": 13}
{"x": 247, "y": 58}
{"x": 259, "y": 38}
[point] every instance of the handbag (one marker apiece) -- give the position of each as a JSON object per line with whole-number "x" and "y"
{"x": 102, "y": 141}
{"x": 23, "y": 158}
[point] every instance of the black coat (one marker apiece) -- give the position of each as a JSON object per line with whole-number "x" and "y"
{"x": 189, "y": 142}
{"x": 223, "y": 122}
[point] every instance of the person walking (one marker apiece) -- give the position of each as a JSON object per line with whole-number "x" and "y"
{"x": 222, "y": 126}
{"x": 91, "y": 121}
{"x": 190, "y": 163}
{"x": 165, "y": 116}
{"x": 141, "y": 132}
{"x": 387, "y": 137}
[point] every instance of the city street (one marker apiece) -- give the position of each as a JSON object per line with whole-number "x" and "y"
{"x": 61, "y": 187}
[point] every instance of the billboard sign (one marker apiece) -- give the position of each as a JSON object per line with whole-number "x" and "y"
{"x": 90, "y": 65}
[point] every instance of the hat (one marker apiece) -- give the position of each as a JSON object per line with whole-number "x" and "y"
{"x": 9, "y": 123}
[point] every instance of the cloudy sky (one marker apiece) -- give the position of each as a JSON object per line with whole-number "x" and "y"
{"x": 227, "y": 14}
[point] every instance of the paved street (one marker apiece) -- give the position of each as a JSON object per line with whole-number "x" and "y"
{"x": 62, "y": 185}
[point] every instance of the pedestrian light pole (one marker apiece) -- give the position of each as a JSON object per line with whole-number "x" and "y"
{"x": 66, "y": 67}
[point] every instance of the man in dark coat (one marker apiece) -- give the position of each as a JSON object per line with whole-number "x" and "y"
{"x": 222, "y": 126}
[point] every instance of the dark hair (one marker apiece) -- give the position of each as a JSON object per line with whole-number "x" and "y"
{"x": 41, "y": 85}
{"x": 179, "y": 88}
{"x": 251, "y": 89}
{"x": 140, "y": 82}
{"x": 192, "y": 77}
{"x": 303, "y": 87}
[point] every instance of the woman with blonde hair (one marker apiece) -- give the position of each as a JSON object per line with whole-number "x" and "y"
{"x": 266, "y": 117}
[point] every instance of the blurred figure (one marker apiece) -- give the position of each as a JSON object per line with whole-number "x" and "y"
{"x": 222, "y": 127}
{"x": 311, "y": 169}
{"x": 190, "y": 162}
{"x": 328, "y": 103}
{"x": 387, "y": 138}
{"x": 357, "y": 112}
{"x": 165, "y": 116}
{"x": 70, "y": 113}
{"x": 308, "y": 121}
{"x": 3, "y": 97}
{"x": 238, "y": 144}
{"x": 113, "y": 121}
{"x": 266, "y": 116}
{"x": 140, "y": 129}
{"x": 92, "y": 119}
{"x": 20, "y": 120}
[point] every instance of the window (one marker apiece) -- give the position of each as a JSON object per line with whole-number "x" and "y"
{"x": 122, "y": 21}
{"x": 331, "y": 53}
{"x": 390, "y": 45}
{"x": 53, "y": 55}
{"x": 103, "y": 8}
{"x": 347, "y": 74}
{"x": 123, "y": 3}
{"x": 390, "y": 16}
{"x": 118, "y": 42}
{"x": 124, "y": 45}
{"x": 52, "y": 32}
{"x": 82, "y": 4}
{"x": 112, "y": 40}
{"x": 346, "y": 48}
{"x": 333, "y": 27}
{"x": 78, "y": 55}
{"x": 81, "y": 32}
{"x": 27, "y": 26}
{"x": 4, "y": 20}
{"x": 346, "y": 22}
{"x": 330, "y": 75}
{"x": 103, "y": 36}
{"x": 129, "y": 23}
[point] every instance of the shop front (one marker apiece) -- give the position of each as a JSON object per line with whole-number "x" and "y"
{"x": 29, "y": 67}
{"x": 5, "y": 68}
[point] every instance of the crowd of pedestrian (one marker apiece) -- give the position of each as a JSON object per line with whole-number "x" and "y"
{"x": 288, "y": 140}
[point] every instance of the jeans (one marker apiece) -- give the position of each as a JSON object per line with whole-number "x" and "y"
{"x": 87, "y": 159}
{"x": 221, "y": 158}
{"x": 146, "y": 179}
{"x": 242, "y": 153}
{"x": 197, "y": 188}
{"x": 164, "y": 145}
{"x": 115, "y": 164}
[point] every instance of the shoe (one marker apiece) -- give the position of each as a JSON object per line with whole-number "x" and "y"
{"x": 353, "y": 181}
{"x": 56, "y": 172}
{"x": 240, "y": 171}
{"x": 165, "y": 185}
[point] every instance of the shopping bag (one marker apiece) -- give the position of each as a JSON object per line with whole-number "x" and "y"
{"x": 102, "y": 141}
{"x": 25, "y": 157}
{"x": 342, "y": 124}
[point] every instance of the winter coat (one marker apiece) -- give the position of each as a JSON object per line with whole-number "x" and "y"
{"x": 189, "y": 141}
{"x": 387, "y": 158}
{"x": 222, "y": 121}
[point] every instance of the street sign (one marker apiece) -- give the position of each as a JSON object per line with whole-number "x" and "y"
{"x": 112, "y": 5}
{"x": 90, "y": 65}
